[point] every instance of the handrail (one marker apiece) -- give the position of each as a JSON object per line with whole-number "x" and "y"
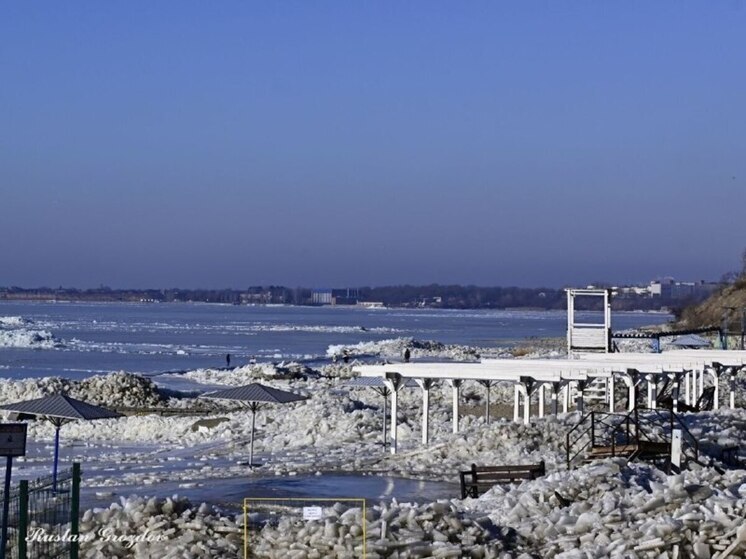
{"x": 628, "y": 428}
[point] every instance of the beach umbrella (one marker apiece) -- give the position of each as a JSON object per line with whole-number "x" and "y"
{"x": 59, "y": 409}
{"x": 255, "y": 395}
{"x": 691, "y": 341}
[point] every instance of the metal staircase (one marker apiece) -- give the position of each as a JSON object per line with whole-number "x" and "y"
{"x": 641, "y": 434}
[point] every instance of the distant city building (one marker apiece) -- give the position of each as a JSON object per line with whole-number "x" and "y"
{"x": 345, "y": 296}
{"x": 322, "y": 297}
{"x": 668, "y": 288}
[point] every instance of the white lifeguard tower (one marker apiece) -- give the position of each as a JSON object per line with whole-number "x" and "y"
{"x": 585, "y": 337}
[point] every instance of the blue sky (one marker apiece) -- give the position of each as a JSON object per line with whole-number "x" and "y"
{"x": 157, "y": 144}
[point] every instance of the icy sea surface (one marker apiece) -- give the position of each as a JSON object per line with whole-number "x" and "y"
{"x": 76, "y": 340}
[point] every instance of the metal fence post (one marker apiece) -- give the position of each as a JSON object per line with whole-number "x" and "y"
{"x": 75, "y": 511}
{"x": 22, "y": 518}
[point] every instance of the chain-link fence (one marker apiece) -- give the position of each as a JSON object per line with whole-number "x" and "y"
{"x": 43, "y": 517}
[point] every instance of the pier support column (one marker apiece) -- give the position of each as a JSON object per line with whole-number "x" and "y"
{"x": 393, "y": 381}
{"x": 579, "y": 401}
{"x": 524, "y": 390}
{"x": 701, "y": 384}
{"x": 732, "y": 389}
{"x": 629, "y": 381}
{"x": 610, "y": 388}
{"x": 652, "y": 383}
{"x": 687, "y": 383}
{"x": 516, "y": 403}
{"x": 541, "y": 400}
{"x": 676, "y": 379}
{"x": 487, "y": 385}
{"x": 426, "y": 384}
{"x": 555, "y": 403}
{"x": 715, "y": 374}
{"x": 566, "y": 397}
{"x": 455, "y": 385}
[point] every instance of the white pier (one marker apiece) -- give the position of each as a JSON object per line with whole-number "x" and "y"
{"x": 693, "y": 368}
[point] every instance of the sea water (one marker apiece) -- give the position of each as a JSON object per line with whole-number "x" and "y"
{"x": 91, "y": 338}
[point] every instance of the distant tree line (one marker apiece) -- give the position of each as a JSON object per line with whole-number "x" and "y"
{"x": 432, "y": 296}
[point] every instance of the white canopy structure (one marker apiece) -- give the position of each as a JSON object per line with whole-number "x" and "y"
{"x": 535, "y": 376}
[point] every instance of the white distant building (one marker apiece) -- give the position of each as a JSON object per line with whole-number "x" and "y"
{"x": 322, "y": 297}
{"x": 668, "y": 288}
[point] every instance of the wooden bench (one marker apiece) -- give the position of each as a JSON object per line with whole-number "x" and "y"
{"x": 480, "y": 478}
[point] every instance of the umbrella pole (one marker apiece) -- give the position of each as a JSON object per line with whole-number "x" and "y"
{"x": 56, "y": 455}
{"x": 251, "y": 444}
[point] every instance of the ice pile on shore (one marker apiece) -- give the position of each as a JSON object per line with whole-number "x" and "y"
{"x": 400, "y": 530}
{"x": 169, "y": 528}
{"x": 394, "y": 348}
{"x": 616, "y": 509}
{"x": 115, "y": 389}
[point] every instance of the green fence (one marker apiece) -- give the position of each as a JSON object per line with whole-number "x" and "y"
{"x": 43, "y": 519}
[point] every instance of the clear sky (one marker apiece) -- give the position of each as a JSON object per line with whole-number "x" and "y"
{"x": 227, "y": 144}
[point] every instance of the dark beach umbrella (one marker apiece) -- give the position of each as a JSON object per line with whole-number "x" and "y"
{"x": 59, "y": 409}
{"x": 691, "y": 341}
{"x": 255, "y": 395}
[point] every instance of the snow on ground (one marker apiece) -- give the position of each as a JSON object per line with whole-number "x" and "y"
{"x": 606, "y": 509}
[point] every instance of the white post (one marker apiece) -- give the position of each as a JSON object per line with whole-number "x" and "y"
{"x": 425, "y": 385}
{"x": 653, "y": 391}
{"x": 455, "y": 385}
{"x": 701, "y": 384}
{"x": 687, "y": 398}
{"x": 526, "y": 405}
{"x": 541, "y": 400}
{"x": 392, "y": 383}
{"x": 566, "y": 397}
{"x": 425, "y": 415}
{"x": 732, "y": 389}
{"x": 693, "y": 395}
{"x": 675, "y": 392}
{"x": 516, "y": 403}
{"x": 607, "y": 319}
{"x": 630, "y": 382}
{"x": 610, "y": 393}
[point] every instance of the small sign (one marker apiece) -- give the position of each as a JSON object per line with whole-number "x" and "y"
{"x": 676, "y": 448}
{"x": 13, "y": 439}
{"x": 312, "y": 513}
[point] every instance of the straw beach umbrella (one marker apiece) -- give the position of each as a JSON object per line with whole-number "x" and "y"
{"x": 255, "y": 395}
{"x": 59, "y": 409}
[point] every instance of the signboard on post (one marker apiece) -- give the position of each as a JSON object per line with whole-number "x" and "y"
{"x": 13, "y": 439}
{"x": 312, "y": 513}
{"x": 12, "y": 443}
